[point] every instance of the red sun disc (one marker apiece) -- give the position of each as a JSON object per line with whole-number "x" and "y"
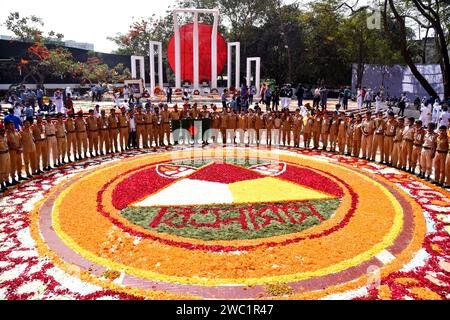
{"x": 204, "y": 44}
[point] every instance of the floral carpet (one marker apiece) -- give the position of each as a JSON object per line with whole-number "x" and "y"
{"x": 225, "y": 223}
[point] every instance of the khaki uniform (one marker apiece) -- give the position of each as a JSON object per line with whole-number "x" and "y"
{"x": 349, "y": 136}
{"x": 232, "y": 126}
{"x": 105, "y": 142}
{"x": 426, "y": 158}
{"x": 40, "y": 141}
{"x": 357, "y": 138}
{"x": 242, "y": 125}
{"x": 276, "y": 131}
{"x": 82, "y": 137}
{"x": 93, "y": 134}
{"x": 185, "y": 116}
{"x": 175, "y": 125}
{"x": 5, "y": 160}
{"x": 251, "y": 120}
{"x": 269, "y": 127}
{"x": 15, "y": 153}
{"x": 141, "y": 133}
{"x": 29, "y": 151}
{"x": 368, "y": 128}
{"x": 61, "y": 138}
{"x": 223, "y": 126}
{"x": 52, "y": 142}
{"x": 151, "y": 122}
{"x": 124, "y": 131}
{"x": 389, "y": 135}
{"x": 113, "y": 132}
{"x": 215, "y": 125}
{"x": 342, "y": 129}
{"x": 419, "y": 136}
{"x": 71, "y": 137}
{"x": 397, "y": 148}
{"x": 334, "y": 128}
{"x": 260, "y": 126}
{"x": 286, "y": 125}
{"x": 158, "y": 129}
{"x": 165, "y": 126}
{"x": 297, "y": 128}
{"x": 378, "y": 139}
{"x": 407, "y": 146}
{"x": 447, "y": 163}
{"x": 442, "y": 149}
{"x": 307, "y": 131}
{"x": 316, "y": 130}
{"x": 325, "y": 131}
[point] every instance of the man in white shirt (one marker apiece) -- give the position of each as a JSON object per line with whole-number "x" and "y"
{"x": 132, "y": 136}
{"x": 445, "y": 116}
{"x": 359, "y": 99}
{"x": 97, "y": 111}
{"x": 377, "y": 103}
{"x": 436, "y": 112}
{"x": 58, "y": 100}
{"x": 425, "y": 114}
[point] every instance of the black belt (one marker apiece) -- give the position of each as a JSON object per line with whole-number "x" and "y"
{"x": 51, "y": 135}
{"x": 417, "y": 145}
{"x": 61, "y": 137}
{"x": 92, "y": 131}
{"x": 71, "y": 131}
{"x": 42, "y": 140}
{"x": 104, "y": 129}
{"x": 442, "y": 151}
{"x": 427, "y": 148}
{"x": 115, "y": 128}
{"x": 124, "y": 127}
{"x": 379, "y": 134}
{"x": 166, "y": 122}
{"x": 3, "y": 152}
{"x": 81, "y": 131}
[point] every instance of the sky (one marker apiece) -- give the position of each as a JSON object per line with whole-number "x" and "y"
{"x": 90, "y": 21}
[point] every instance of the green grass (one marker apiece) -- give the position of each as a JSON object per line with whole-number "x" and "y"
{"x": 232, "y": 231}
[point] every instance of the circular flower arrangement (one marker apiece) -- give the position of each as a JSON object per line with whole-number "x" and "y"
{"x": 225, "y": 223}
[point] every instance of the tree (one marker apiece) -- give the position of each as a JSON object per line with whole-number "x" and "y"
{"x": 40, "y": 62}
{"x": 29, "y": 28}
{"x": 427, "y": 13}
{"x": 366, "y": 46}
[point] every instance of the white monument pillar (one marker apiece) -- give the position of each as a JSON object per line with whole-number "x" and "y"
{"x": 134, "y": 60}
{"x": 257, "y": 72}
{"x": 152, "y": 66}
{"x": 196, "y": 83}
{"x": 177, "y": 50}
{"x": 238, "y": 63}
{"x": 196, "y": 58}
{"x": 214, "y": 51}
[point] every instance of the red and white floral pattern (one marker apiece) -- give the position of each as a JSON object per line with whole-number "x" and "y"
{"x": 26, "y": 275}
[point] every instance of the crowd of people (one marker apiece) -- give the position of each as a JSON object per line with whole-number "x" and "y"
{"x": 56, "y": 139}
